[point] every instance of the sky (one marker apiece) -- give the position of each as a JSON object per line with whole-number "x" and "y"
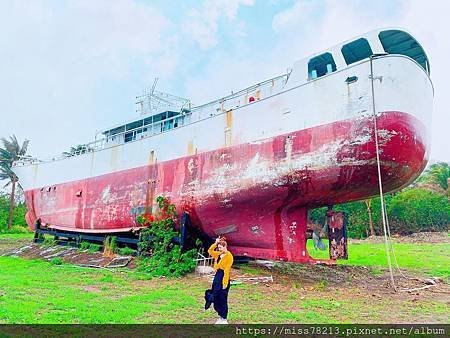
{"x": 71, "y": 68}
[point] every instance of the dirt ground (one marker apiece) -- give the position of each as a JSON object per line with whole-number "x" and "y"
{"x": 8, "y": 245}
{"x": 67, "y": 254}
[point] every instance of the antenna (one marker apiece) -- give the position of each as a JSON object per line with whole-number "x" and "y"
{"x": 154, "y": 85}
{"x": 153, "y": 101}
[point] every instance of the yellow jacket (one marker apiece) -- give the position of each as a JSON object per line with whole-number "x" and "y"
{"x": 225, "y": 263}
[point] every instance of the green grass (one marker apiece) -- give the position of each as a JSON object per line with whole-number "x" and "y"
{"x": 36, "y": 291}
{"x": 17, "y": 236}
{"x": 429, "y": 258}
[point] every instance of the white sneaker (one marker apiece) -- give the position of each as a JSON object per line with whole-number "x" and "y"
{"x": 221, "y": 321}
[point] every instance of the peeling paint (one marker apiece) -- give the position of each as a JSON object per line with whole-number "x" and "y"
{"x": 247, "y": 190}
{"x": 226, "y": 230}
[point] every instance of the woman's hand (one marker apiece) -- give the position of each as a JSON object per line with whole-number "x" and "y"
{"x": 218, "y": 239}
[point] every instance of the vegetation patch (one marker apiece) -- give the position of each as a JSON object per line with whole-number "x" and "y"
{"x": 84, "y": 246}
{"x": 48, "y": 242}
{"x": 110, "y": 246}
{"x": 166, "y": 258}
{"x": 56, "y": 261}
{"x": 93, "y": 247}
{"x": 126, "y": 251}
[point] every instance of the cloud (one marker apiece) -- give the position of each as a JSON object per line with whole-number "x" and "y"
{"x": 202, "y": 24}
{"x": 69, "y": 67}
{"x": 298, "y": 16}
{"x": 429, "y": 23}
{"x": 58, "y": 57}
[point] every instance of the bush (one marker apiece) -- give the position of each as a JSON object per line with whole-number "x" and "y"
{"x": 48, "y": 242}
{"x": 110, "y": 245}
{"x": 166, "y": 258}
{"x": 84, "y": 246}
{"x": 90, "y": 247}
{"x": 16, "y": 229}
{"x": 18, "y": 217}
{"x": 126, "y": 251}
{"x": 56, "y": 261}
{"x": 416, "y": 209}
{"x": 93, "y": 248}
{"x": 410, "y": 210}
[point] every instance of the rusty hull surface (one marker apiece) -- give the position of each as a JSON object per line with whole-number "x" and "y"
{"x": 257, "y": 194}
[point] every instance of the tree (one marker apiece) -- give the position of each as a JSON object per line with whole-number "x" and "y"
{"x": 369, "y": 212}
{"x": 11, "y": 152}
{"x": 440, "y": 173}
{"x": 437, "y": 175}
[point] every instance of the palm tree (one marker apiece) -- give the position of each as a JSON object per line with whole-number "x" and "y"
{"x": 11, "y": 152}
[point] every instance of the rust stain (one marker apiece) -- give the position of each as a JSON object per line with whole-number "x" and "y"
{"x": 337, "y": 235}
{"x": 228, "y": 128}
{"x": 151, "y": 182}
{"x": 151, "y": 158}
{"x": 191, "y": 150}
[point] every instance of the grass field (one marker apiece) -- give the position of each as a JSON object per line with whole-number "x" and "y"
{"x": 430, "y": 258}
{"x": 35, "y": 291}
{"x": 17, "y": 236}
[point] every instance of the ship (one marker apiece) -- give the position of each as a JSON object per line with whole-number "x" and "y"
{"x": 249, "y": 165}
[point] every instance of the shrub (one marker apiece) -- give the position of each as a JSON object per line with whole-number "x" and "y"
{"x": 84, "y": 246}
{"x": 166, "y": 258}
{"x": 416, "y": 209}
{"x": 18, "y": 217}
{"x": 94, "y": 248}
{"x": 110, "y": 245}
{"x": 56, "y": 261}
{"x": 126, "y": 251}
{"x": 48, "y": 242}
{"x": 16, "y": 229}
{"x": 410, "y": 210}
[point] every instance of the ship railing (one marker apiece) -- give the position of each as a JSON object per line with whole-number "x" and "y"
{"x": 233, "y": 101}
{"x": 25, "y": 160}
{"x": 240, "y": 98}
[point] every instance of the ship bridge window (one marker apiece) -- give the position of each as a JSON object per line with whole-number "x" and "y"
{"x": 130, "y": 137}
{"x": 148, "y": 121}
{"x": 399, "y": 42}
{"x": 320, "y": 65}
{"x": 134, "y": 125}
{"x": 356, "y": 51}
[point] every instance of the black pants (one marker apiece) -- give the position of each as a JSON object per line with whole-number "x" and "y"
{"x": 220, "y": 295}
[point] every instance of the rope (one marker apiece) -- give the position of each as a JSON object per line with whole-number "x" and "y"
{"x": 386, "y": 228}
{"x": 392, "y": 248}
{"x": 386, "y": 240}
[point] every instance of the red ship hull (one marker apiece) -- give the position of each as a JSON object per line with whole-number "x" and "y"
{"x": 266, "y": 218}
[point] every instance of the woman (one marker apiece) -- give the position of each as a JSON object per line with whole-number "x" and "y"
{"x": 223, "y": 260}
